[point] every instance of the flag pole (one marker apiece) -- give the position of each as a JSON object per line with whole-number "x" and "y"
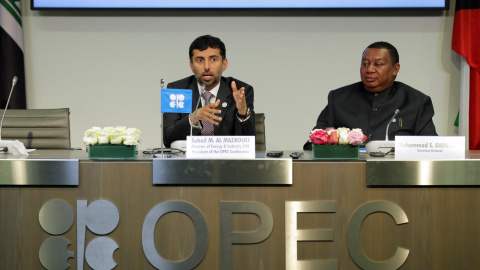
{"x": 463, "y": 125}
{"x": 162, "y": 82}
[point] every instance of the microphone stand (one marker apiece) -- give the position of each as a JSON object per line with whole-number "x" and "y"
{"x": 15, "y": 147}
{"x": 162, "y": 83}
{"x": 373, "y": 147}
{"x": 14, "y": 82}
{"x": 386, "y": 132}
{"x": 202, "y": 88}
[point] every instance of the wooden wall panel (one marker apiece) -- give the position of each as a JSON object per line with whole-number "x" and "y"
{"x": 442, "y": 232}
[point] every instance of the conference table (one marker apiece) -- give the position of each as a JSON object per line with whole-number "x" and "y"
{"x": 59, "y": 210}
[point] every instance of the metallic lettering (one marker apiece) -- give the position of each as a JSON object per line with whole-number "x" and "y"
{"x": 292, "y": 235}
{"x": 201, "y": 232}
{"x": 227, "y": 237}
{"x": 353, "y": 235}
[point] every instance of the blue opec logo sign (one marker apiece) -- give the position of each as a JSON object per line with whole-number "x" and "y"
{"x": 176, "y": 101}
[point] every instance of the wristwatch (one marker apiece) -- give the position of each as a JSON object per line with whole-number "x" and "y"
{"x": 244, "y": 115}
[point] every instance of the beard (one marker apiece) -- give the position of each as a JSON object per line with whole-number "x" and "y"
{"x": 214, "y": 81}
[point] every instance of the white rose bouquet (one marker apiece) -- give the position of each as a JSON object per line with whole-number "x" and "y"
{"x": 112, "y": 135}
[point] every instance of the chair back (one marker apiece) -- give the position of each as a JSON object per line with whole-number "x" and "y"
{"x": 38, "y": 128}
{"x": 260, "y": 143}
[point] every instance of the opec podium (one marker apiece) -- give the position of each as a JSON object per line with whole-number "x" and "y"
{"x": 61, "y": 210}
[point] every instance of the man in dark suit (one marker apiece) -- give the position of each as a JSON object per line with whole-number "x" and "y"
{"x": 226, "y": 103}
{"x": 371, "y": 103}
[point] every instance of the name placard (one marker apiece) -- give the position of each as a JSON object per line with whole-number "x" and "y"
{"x": 223, "y": 147}
{"x": 429, "y": 147}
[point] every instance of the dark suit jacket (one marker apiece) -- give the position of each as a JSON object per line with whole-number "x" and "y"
{"x": 354, "y": 107}
{"x": 176, "y": 126}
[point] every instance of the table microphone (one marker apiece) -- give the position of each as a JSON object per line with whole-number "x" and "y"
{"x": 202, "y": 88}
{"x": 395, "y": 115}
{"x": 375, "y": 146}
{"x": 15, "y": 147}
{"x": 14, "y": 82}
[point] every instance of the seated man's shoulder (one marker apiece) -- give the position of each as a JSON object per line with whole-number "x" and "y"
{"x": 408, "y": 90}
{"x": 348, "y": 89}
{"x": 357, "y": 85}
{"x": 185, "y": 81}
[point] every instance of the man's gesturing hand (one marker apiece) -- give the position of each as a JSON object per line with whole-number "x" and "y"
{"x": 207, "y": 113}
{"x": 240, "y": 100}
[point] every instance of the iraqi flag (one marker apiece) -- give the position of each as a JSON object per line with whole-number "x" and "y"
{"x": 11, "y": 54}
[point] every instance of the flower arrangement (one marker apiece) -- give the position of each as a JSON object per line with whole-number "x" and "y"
{"x": 339, "y": 136}
{"x": 112, "y": 135}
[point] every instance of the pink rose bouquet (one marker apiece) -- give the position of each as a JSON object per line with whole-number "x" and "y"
{"x": 337, "y": 136}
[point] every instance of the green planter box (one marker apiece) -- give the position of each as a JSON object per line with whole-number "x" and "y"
{"x": 111, "y": 151}
{"x": 335, "y": 151}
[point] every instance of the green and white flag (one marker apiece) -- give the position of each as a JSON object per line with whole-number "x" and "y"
{"x": 11, "y": 54}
